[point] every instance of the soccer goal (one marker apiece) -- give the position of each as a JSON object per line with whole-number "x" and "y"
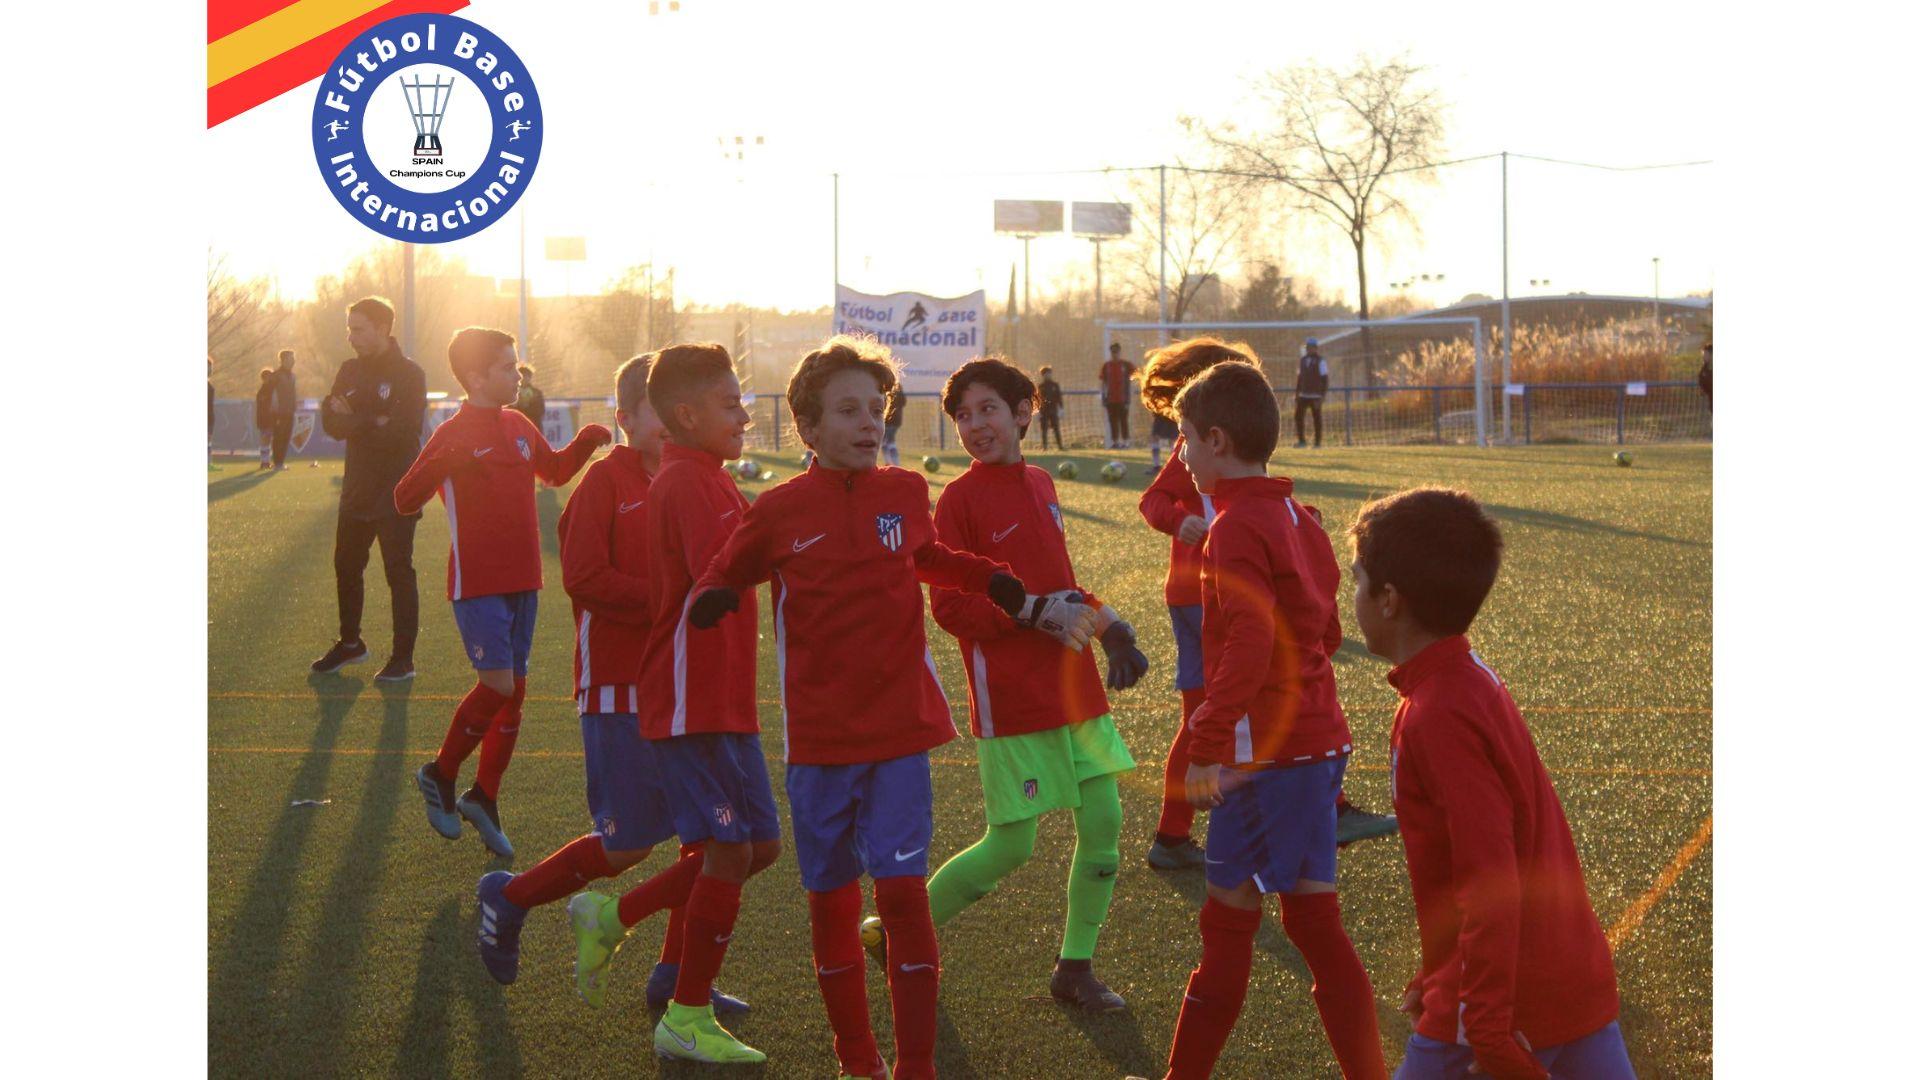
{"x": 1389, "y": 381}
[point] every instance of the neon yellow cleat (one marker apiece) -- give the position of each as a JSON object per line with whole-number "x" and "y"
{"x": 690, "y": 1034}
{"x": 598, "y": 934}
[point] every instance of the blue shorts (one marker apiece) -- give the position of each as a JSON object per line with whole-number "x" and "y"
{"x": 1191, "y": 672}
{"x": 717, "y": 788}
{"x": 1276, "y": 828}
{"x": 498, "y": 630}
{"x": 1599, "y": 1056}
{"x": 874, "y": 816}
{"x": 624, "y": 788}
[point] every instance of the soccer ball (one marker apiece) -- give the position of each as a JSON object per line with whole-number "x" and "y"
{"x": 932, "y": 465}
{"x": 1623, "y": 458}
{"x": 871, "y": 932}
{"x": 1067, "y": 470}
{"x": 1113, "y": 472}
{"x": 750, "y": 469}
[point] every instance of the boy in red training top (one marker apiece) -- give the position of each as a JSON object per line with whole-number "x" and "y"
{"x": 1270, "y": 743}
{"x": 1043, "y": 732}
{"x": 1516, "y": 980}
{"x": 603, "y": 554}
{"x": 697, "y": 689}
{"x": 1172, "y": 505}
{"x": 847, "y": 546}
{"x": 483, "y": 461}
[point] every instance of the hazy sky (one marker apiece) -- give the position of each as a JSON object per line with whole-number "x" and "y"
{"x": 930, "y": 112}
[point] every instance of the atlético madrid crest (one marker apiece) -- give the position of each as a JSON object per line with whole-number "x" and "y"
{"x": 888, "y": 526}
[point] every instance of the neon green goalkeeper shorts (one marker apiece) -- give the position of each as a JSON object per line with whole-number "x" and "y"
{"x": 1023, "y": 776}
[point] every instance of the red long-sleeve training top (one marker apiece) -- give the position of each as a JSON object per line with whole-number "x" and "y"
{"x": 603, "y": 565}
{"x": 847, "y": 553}
{"x": 1019, "y": 680}
{"x": 1270, "y": 623}
{"x": 483, "y": 461}
{"x": 1167, "y": 502}
{"x": 694, "y": 681}
{"x": 1508, "y": 938}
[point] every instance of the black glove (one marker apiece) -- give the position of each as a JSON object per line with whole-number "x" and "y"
{"x": 1007, "y": 592}
{"x": 710, "y": 606}
{"x": 1125, "y": 662}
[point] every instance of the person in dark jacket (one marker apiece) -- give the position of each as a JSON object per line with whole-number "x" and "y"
{"x": 285, "y": 398}
{"x": 1706, "y": 373}
{"x": 263, "y": 415}
{"x": 1309, "y": 390}
{"x": 531, "y": 403}
{"x": 890, "y": 421}
{"x": 377, "y": 407}
{"x": 1051, "y": 398}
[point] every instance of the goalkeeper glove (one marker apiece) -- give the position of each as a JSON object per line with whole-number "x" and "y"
{"x": 1125, "y": 662}
{"x": 1007, "y": 592}
{"x": 711, "y": 606}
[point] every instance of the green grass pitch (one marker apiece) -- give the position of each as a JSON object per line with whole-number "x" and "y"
{"x": 340, "y": 937}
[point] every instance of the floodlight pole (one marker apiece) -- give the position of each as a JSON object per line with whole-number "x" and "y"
{"x": 836, "y": 240}
{"x": 1163, "y": 254}
{"x": 1096, "y": 280}
{"x": 406, "y": 299}
{"x": 526, "y": 347}
{"x": 1656, "y": 304}
{"x": 1506, "y": 316}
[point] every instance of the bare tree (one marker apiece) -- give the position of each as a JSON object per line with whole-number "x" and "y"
{"x": 1340, "y": 141}
{"x": 243, "y": 318}
{"x": 1208, "y": 216}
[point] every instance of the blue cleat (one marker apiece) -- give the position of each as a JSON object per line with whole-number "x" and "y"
{"x": 439, "y": 795}
{"x": 500, "y": 920}
{"x": 484, "y": 814}
{"x": 660, "y": 992}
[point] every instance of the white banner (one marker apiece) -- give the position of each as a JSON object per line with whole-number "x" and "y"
{"x": 929, "y": 335}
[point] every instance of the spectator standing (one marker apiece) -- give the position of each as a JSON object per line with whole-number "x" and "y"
{"x": 263, "y": 415}
{"x": 1051, "y": 399}
{"x": 1116, "y": 379}
{"x": 531, "y": 403}
{"x": 896, "y": 412}
{"x": 284, "y": 398}
{"x": 1309, "y": 391}
{"x": 1706, "y": 374}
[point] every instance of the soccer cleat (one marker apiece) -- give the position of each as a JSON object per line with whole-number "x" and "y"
{"x": 690, "y": 1034}
{"x": 1075, "y": 983}
{"x": 660, "y": 992}
{"x": 1186, "y": 855}
{"x": 597, "y": 935}
{"x": 1300, "y": 444}
{"x": 338, "y": 657}
{"x": 438, "y": 792}
{"x": 397, "y": 669}
{"x": 1357, "y": 824}
{"x": 500, "y": 921}
{"x": 484, "y": 813}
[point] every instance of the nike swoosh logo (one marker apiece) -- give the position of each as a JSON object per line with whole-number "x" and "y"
{"x": 726, "y": 515}
{"x": 1190, "y": 997}
{"x": 722, "y": 940}
{"x": 685, "y": 1044}
{"x": 1216, "y": 862}
{"x": 1006, "y": 532}
{"x": 483, "y": 452}
{"x": 802, "y": 545}
{"x": 825, "y": 972}
{"x": 625, "y": 507}
{"x": 916, "y": 967}
{"x": 1107, "y": 873}
{"x": 903, "y": 857}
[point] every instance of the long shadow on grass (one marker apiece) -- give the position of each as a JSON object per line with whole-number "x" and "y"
{"x": 1545, "y": 519}
{"x": 245, "y": 979}
{"x": 1117, "y": 1037}
{"x": 448, "y": 966}
{"x": 950, "y": 1048}
{"x": 327, "y": 997}
{"x": 229, "y": 486}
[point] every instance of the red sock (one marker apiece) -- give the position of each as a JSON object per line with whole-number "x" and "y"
{"x": 841, "y": 968}
{"x": 913, "y": 972}
{"x": 667, "y": 889}
{"x": 496, "y": 748}
{"x": 1340, "y": 988}
{"x": 711, "y": 912}
{"x": 1215, "y": 991}
{"x": 1176, "y": 813}
{"x": 557, "y": 876}
{"x": 675, "y": 938}
{"x": 470, "y": 722}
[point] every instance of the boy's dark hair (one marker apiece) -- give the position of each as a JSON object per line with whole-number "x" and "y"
{"x": 266, "y": 373}
{"x": 1114, "y": 347}
{"x": 1046, "y": 371}
{"x": 473, "y": 349}
{"x": 376, "y": 310}
{"x": 1437, "y": 547}
{"x": 525, "y": 370}
{"x": 1171, "y": 367}
{"x": 1000, "y": 375}
{"x": 842, "y": 352}
{"x": 1235, "y": 398}
{"x": 286, "y": 354}
{"x": 630, "y": 382}
{"x": 680, "y": 372}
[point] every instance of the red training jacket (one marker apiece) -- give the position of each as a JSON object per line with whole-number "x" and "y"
{"x": 1114, "y": 377}
{"x": 1167, "y": 502}
{"x": 847, "y": 552}
{"x": 1508, "y": 939}
{"x": 1019, "y": 680}
{"x": 694, "y": 681}
{"x": 483, "y": 461}
{"x": 603, "y": 565}
{"x": 1270, "y": 623}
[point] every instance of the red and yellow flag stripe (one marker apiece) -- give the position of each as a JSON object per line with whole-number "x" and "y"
{"x": 260, "y": 49}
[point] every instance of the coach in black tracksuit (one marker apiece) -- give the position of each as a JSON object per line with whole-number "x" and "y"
{"x": 377, "y": 407}
{"x": 1309, "y": 390}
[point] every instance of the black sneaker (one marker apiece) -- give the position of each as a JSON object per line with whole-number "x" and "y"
{"x": 1075, "y": 983}
{"x": 339, "y": 656}
{"x": 398, "y": 669}
{"x": 1355, "y": 824}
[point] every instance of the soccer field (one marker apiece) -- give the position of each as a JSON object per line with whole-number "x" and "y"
{"x": 340, "y": 936}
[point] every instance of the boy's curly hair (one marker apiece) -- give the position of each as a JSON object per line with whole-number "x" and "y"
{"x": 842, "y": 352}
{"x": 1171, "y": 367}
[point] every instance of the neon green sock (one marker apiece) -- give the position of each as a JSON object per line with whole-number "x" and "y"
{"x": 1096, "y": 865}
{"x": 974, "y": 872}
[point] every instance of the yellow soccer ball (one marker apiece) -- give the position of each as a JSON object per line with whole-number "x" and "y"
{"x": 871, "y": 932}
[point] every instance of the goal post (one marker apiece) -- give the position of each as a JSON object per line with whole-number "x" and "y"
{"x": 1431, "y": 379}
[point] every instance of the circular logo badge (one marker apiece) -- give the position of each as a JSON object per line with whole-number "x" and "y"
{"x": 427, "y": 128}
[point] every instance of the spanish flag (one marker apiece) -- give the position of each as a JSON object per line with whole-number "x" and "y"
{"x": 260, "y": 49}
